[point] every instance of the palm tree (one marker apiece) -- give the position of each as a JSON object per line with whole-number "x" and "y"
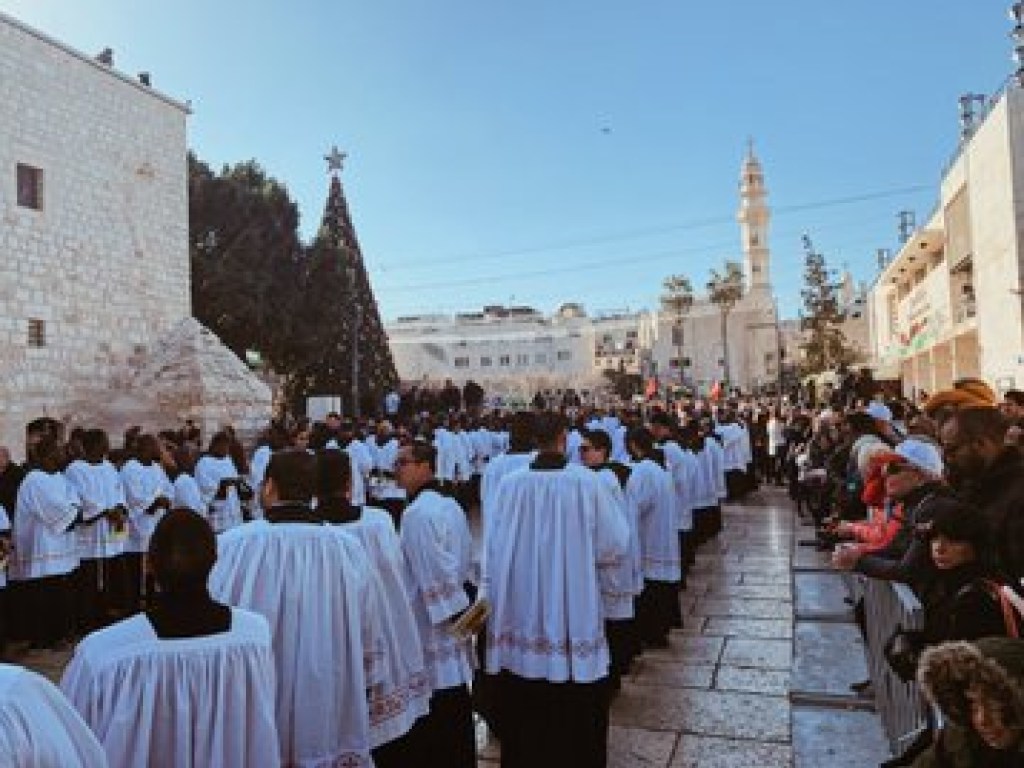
{"x": 725, "y": 289}
{"x": 678, "y": 299}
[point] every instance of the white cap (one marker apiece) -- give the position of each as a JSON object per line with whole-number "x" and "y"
{"x": 878, "y": 410}
{"x": 923, "y": 455}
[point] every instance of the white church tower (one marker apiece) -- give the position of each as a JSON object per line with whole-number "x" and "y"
{"x": 754, "y": 217}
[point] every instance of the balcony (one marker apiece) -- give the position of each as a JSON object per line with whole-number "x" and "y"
{"x": 965, "y": 311}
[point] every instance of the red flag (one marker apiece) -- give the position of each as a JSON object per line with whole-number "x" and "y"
{"x": 716, "y": 391}
{"x": 652, "y": 388}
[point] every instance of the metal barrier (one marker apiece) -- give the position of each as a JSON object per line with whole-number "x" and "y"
{"x": 888, "y": 605}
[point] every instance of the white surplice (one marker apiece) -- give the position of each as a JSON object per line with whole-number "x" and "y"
{"x": 181, "y": 702}
{"x": 716, "y": 460}
{"x": 43, "y": 545}
{"x": 39, "y": 728}
{"x": 404, "y": 695}
{"x": 319, "y": 593}
{"x": 143, "y": 484}
{"x": 226, "y": 512}
{"x": 650, "y": 487}
{"x": 188, "y": 495}
{"x": 681, "y": 472}
{"x": 99, "y": 488}
{"x": 550, "y": 533}
{"x": 361, "y": 463}
{"x": 438, "y": 545}
{"x": 257, "y": 472}
{"x": 383, "y": 456}
{"x": 705, "y": 492}
{"x": 619, "y": 581}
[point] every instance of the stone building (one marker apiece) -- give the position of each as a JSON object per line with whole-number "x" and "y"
{"x": 518, "y": 351}
{"x": 690, "y": 349}
{"x": 948, "y": 304}
{"x": 95, "y": 252}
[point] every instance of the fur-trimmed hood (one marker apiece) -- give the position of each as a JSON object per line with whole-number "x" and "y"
{"x": 994, "y": 665}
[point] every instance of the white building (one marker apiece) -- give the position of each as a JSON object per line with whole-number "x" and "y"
{"x": 948, "y": 305}
{"x": 518, "y": 349}
{"x": 94, "y": 255}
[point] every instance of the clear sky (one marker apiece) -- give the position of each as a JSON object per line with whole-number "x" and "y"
{"x": 542, "y": 151}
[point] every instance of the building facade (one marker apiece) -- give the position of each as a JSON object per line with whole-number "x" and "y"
{"x": 521, "y": 350}
{"x": 948, "y": 305}
{"x": 94, "y": 240}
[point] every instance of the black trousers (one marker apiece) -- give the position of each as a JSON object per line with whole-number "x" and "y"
{"x": 46, "y": 604}
{"x": 553, "y": 725}
{"x": 623, "y": 644}
{"x": 92, "y": 589}
{"x": 445, "y": 736}
{"x": 654, "y": 611}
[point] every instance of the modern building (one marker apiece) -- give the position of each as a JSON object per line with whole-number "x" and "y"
{"x": 94, "y": 252}
{"x": 948, "y": 304}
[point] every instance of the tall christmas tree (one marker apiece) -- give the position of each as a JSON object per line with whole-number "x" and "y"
{"x": 346, "y": 349}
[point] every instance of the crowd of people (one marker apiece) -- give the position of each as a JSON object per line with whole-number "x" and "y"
{"x": 325, "y": 601}
{"x": 930, "y": 494}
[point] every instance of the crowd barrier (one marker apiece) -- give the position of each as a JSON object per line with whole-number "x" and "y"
{"x": 888, "y": 605}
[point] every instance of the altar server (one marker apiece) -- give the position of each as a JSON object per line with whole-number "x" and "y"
{"x": 148, "y": 492}
{"x": 438, "y": 548}
{"x": 620, "y": 585}
{"x": 218, "y": 480}
{"x": 403, "y": 696}
{"x": 317, "y": 589}
{"x": 650, "y": 487}
{"x": 190, "y": 682}
{"x": 553, "y": 529}
{"x": 38, "y": 727}
{"x": 45, "y": 546}
{"x": 103, "y": 531}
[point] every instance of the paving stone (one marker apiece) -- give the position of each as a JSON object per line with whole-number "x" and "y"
{"x": 809, "y": 557}
{"x": 820, "y": 593}
{"x": 828, "y": 657}
{"x": 712, "y": 713}
{"x": 710, "y": 752}
{"x": 767, "y": 628}
{"x": 695, "y": 649}
{"x": 760, "y": 577}
{"x": 745, "y": 608}
{"x": 762, "y": 654}
{"x": 711, "y": 579}
{"x": 773, "y": 682}
{"x": 822, "y": 737}
{"x": 673, "y": 674}
{"x": 640, "y": 748}
{"x": 756, "y": 591}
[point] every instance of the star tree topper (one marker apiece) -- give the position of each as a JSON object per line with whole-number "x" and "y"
{"x": 335, "y": 160}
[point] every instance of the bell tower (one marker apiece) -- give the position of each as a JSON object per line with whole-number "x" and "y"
{"x": 754, "y": 217}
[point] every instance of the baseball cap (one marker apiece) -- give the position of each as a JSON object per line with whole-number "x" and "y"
{"x": 878, "y": 410}
{"x": 921, "y": 454}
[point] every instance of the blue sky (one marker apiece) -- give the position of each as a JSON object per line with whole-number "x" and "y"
{"x": 541, "y": 151}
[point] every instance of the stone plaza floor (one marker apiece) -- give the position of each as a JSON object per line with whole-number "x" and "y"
{"x": 759, "y": 675}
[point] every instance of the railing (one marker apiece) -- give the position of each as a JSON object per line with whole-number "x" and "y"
{"x": 888, "y": 605}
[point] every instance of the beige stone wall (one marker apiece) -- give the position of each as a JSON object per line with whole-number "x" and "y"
{"x": 105, "y": 261}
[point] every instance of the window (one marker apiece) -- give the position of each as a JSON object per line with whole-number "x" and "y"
{"x": 30, "y": 187}
{"x": 485, "y": 362}
{"x": 462, "y": 362}
{"x": 631, "y": 334}
{"x": 564, "y": 354}
{"x": 522, "y": 359}
{"x": 540, "y": 357}
{"x": 36, "y": 332}
{"x": 504, "y": 360}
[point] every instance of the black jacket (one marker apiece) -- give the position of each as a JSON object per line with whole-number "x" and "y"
{"x": 958, "y": 605}
{"x": 999, "y": 494}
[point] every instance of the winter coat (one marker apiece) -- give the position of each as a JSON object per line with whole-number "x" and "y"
{"x": 999, "y": 494}
{"x": 995, "y": 665}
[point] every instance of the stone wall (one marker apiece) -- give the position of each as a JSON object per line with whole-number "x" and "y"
{"x": 104, "y": 262}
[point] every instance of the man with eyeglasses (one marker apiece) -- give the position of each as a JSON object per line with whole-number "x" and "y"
{"x": 437, "y": 545}
{"x": 990, "y": 475}
{"x": 913, "y": 478}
